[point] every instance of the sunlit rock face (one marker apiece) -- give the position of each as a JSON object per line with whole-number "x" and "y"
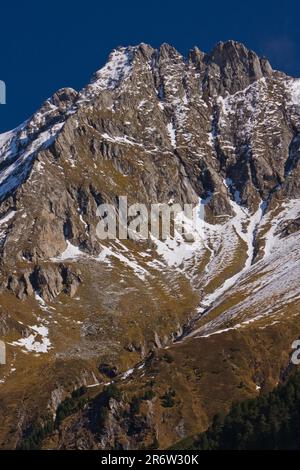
{"x": 218, "y": 130}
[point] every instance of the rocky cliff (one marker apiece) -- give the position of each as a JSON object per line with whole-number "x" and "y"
{"x": 218, "y": 130}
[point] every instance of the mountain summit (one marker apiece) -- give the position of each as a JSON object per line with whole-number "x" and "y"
{"x": 220, "y": 131}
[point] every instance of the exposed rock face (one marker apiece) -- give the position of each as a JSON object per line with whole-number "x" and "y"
{"x": 189, "y": 124}
{"x": 47, "y": 281}
{"x": 229, "y": 68}
{"x": 218, "y": 130}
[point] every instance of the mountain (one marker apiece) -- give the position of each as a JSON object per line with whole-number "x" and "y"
{"x": 183, "y": 328}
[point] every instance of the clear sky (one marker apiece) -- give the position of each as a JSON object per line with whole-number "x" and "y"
{"x": 46, "y": 45}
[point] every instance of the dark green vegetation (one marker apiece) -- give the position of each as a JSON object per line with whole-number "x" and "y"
{"x": 167, "y": 400}
{"x": 43, "y": 427}
{"x": 270, "y": 421}
{"x": 99, "y": 410}
{"x": 35, "y": 435}
{"x": 136, "y": 401}
{"x": 70, "y": 405}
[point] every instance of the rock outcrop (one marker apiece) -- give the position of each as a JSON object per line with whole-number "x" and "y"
{"x": 218, "y": 130}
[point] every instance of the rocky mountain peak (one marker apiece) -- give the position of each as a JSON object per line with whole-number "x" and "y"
{"x": 166, "y": 51}
{"x": 145, "y": 50}
{"x": 230, "y": 67}
{"x": 63, "y": 98}
{"x": 52, "y": 110}
{"x": 219, "y": 131}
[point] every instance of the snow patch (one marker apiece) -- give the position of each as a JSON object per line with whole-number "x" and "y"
{"x": 294, "y": 90}
{"x": 71, "y": 252}
{"x": 114, "y": 72}
{"x": 172, "y": 134}
{"x": 31, "y": 344}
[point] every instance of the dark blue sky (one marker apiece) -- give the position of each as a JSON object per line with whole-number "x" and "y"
{"x": 50, "y": 44}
